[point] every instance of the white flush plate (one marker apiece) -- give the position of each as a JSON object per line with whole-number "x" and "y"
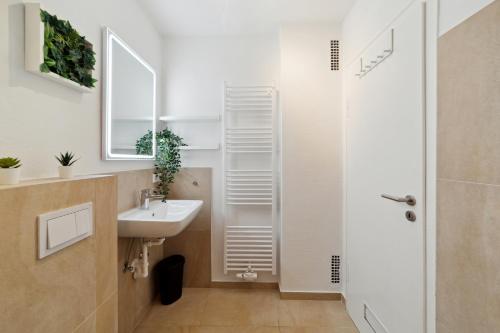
{"x": 62, "y": 228}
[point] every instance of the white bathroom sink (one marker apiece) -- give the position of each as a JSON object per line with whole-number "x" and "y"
{"x": 162, "y": 219}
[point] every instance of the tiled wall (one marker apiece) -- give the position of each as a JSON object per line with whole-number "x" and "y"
{"x": 468, "y": 277}
{"x": 194, "y": 243}
{"x": 135, "y": 297}
{"x": 73, "y": 290}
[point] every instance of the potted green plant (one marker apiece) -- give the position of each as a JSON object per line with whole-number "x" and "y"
{"x": 168, "y": 156}
{"x": 66, "y": 168}
{"x": 10, "y": 170}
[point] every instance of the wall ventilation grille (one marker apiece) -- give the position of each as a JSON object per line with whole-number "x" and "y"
{"x": 335, "y": 266}
{"x": 334, "y": 55}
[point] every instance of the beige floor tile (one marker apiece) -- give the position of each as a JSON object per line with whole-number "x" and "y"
{"x": 165, "y": 329}
{"x": 187, "y": 311}
{"x": 318, "y": 330}
{"x": 240, "y": 307}
{"x": 246, "y": 311}
{"x": 313, "y": 314}
{"x": 208, "y": 329}
{"x": 234, "y": 329}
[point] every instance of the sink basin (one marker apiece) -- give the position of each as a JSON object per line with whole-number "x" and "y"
{"x": 162, "y": 219}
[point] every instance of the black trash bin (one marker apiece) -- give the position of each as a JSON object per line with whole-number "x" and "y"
{"x": 169, "y": 278}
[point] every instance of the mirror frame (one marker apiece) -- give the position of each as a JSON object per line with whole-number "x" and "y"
{"x": 108, "y": 37}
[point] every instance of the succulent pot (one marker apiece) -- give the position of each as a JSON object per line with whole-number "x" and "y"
{"x": 66, "y": 172}
{"x": 10, "y": 176}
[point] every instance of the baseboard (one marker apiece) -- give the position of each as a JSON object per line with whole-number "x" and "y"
{"x": 310, "y": 296}
{"x": 244, "y": 285}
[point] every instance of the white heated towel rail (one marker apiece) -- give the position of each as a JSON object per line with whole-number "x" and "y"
{"x": 249, "y": 246}
{"x": 249, "y": 152}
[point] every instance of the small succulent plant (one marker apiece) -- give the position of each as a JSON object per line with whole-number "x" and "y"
{"x": 10, "y": 163}
{"x": 66, "y": 159}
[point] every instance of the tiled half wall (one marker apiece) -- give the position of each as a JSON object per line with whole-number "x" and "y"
{"x": 468, "y": 256}
{"x": 73, "y": 290}
{"x": 136, "y": 296}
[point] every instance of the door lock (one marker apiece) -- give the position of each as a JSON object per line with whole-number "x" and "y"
{"x": 411, "y": 216}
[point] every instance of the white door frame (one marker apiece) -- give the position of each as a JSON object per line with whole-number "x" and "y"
{"x": 432, "y": 34}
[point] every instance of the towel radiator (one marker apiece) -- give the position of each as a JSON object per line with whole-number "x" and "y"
{"x": 250, "y": 160}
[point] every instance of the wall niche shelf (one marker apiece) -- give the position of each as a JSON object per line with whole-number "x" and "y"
{"x": 34, "y": 41}
{"x": 195, "y": 118}
{"x": 183, "y": 148}
{"x": 191, "y": 148}
{"x": 136, "y": 119}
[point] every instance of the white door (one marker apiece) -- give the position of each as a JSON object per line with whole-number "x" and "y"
{"x": 385, "y": 155}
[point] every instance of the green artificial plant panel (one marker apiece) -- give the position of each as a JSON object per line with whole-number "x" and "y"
{"x": 65, "y": 52}
{"x": 168, "y": 156}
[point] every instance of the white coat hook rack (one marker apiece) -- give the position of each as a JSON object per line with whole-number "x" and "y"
{"x": 381, "y": 49}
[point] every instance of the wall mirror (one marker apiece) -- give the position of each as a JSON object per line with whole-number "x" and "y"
{"x": 129, "y": 102}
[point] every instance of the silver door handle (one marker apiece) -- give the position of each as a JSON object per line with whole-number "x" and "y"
{"x": 409, "y": 199}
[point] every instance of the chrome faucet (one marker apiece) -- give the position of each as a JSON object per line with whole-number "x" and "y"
{"x": 147, "y": 195}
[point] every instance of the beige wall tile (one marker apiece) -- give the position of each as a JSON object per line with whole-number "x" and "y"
{"x": 187, "y": 311}
{"x": 56, "y": 293}
{"x": 107, "y": 315}
{"x": 135, "y": 297}
{"x": 468, "y": 261}
{"x": 468, "y": 292}
{"x": 130, "y": 183}
{"x": 469, "y": 99}
{"x": 195, "y": 247}
{"x": 88, "y": 326}
{"x": 194, "y": 243}
{"x": 126, "y": 290}
{"x": 106, "y": 238}
{"x": 183, "y": 188}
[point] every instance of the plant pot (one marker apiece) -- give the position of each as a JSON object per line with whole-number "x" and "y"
{"x": 10, "y": 176}
{"x": 66, "y": 172}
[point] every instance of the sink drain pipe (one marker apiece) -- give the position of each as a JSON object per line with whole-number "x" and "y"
{"x": 140, "y": 266}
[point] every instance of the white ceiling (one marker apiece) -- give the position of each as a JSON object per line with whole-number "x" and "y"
{"x": 234, "y": 17}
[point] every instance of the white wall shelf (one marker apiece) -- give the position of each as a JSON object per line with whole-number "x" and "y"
{"x": 194, "y": 118}
{"x": 34, "y": 40}
{"x": 136, "y": 119}
{"x": 212, "y": 147}
{"x": 184, "y": 148}
{"x": 124, "y": 147}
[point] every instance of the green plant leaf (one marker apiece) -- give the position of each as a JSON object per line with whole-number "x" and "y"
{"x": 9, "y": 163}
{"x": 168, "y": 157}
{"x": 44, "y": 68}
{"x": 66, "y": 159}
{"x": 66, "y": 52}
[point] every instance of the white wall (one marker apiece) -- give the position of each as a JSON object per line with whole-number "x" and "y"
{"x": 368, "y": 17}
{"x": 365, "y": 21}
{"x": 195, "y": 69}
{"x": 312, "y": 158}
{"x": 40, "y": 118}
{"x": 454, "y": 12}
